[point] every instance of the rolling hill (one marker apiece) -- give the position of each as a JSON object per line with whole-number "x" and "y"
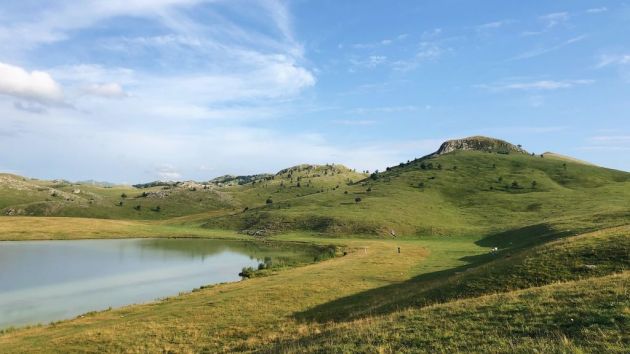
{"x": 480, "y": 246}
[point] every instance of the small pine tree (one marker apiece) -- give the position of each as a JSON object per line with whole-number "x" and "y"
{"x": 534, "y": 184}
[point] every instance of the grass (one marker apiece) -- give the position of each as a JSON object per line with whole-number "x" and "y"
{"x": 588, "y": 316}
{"x": 557, "y": 282}
{"x": 274, "y": 312}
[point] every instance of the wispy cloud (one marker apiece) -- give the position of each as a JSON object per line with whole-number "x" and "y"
{"x": 371, "y": 61}
{"x": 607, "y": 143}
{"x": 427, "y": 51}
{"x": 613, "y": 59}
{"x": 554, "y": 19}
{"x": 387, "y": 109}
{"x": 380, "y": 43}
{"x": 540, "y": 85}
{"x": 549, "y": 22}
{"x": 544, "y": 50}
{"x": 597, "y": 10}
{"x": 108, "y": 90}
{"x": 354, "y": 122}
{"x": 493, "y": 25}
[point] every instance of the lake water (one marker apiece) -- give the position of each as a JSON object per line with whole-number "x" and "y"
{"x": 43, "y": 281}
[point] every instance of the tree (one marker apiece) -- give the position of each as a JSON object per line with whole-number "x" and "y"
{"x": 423, "y": 166}
{"x": 514, "y": 184}
{"x": 269, "y": 201}
{"x": 369, "y": 189}
{"x": 123, "y": 195}
{"x": 534, "y": 184}
{"x": 439, "y": 166}
{"x": 357, "y": 199}
{"x": 138, "y": 207}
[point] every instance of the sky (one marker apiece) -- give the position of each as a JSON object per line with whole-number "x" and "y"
{"x": 139, "y": 90}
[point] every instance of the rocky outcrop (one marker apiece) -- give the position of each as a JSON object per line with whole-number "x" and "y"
{"x": 478, "y": 143}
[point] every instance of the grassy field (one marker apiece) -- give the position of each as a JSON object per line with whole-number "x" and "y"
{"x": 498, "y": 253}
{"x": 308, "y": 307}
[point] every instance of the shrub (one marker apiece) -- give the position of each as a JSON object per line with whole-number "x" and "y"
{"x": 137, "y": 207}
{"x": 269, "y": 201}
{"x": 357, "y": 199}
{"x": 514, "y": 184}
{"x": 123, "y": 195}
{"x": 247, "y": 272}
{"x": 156, "y": 209}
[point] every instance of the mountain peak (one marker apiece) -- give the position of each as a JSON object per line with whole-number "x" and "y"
{"x": 479, "y": 143}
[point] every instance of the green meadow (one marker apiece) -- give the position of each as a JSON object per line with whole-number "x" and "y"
{"x": 468, "y": 251}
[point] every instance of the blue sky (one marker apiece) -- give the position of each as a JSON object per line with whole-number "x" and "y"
{"x": 139, "y": 90}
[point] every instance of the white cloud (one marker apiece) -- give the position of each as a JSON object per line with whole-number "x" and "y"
{"x": 355, "y": 122}
{"x": 35, "y": 85}
{"x": 541, "y": 85}
{"x": 613, "y": 59}
{"x": 167, "y": 172}
{"x": 554, "y": 19}
{"x": 493, "y": 25}
{"x": 544, "y": 50}
{"x": 428, "y": 51}
{"x": 597, "y": 10}
{"x": 611, "y": 138}
{"x": 110, "y": 90}
{"x": 387, "y": 109}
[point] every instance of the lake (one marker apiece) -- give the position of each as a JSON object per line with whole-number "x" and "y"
{"x": 44, "y": 281}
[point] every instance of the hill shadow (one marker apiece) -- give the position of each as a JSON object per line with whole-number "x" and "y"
{"x": 434, "y": 287}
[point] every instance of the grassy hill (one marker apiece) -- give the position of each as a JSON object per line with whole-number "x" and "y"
{"x": 480, "y": 247}
{"x": 463, "y": 192}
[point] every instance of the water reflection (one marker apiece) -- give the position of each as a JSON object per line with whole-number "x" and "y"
{"x": 42, "y": 281}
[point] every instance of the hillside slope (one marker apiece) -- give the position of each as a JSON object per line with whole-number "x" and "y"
{"x": 461, "y": 192}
